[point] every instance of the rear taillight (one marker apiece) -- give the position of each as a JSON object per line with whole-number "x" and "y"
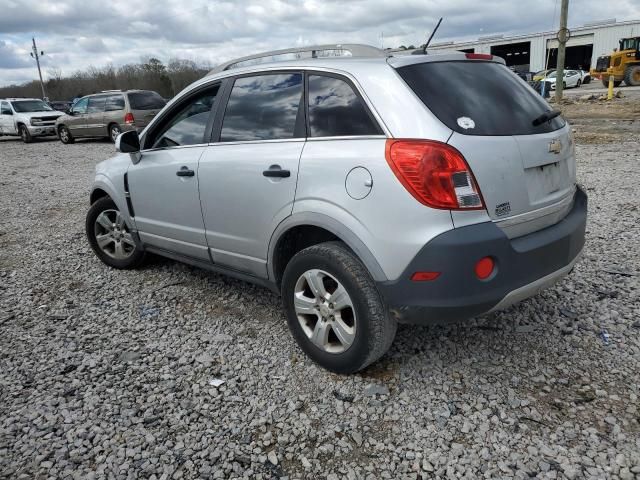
{"x": 435, "y": 173}
{"x": 128, "y": 118}
{"x": 479, "y": 56}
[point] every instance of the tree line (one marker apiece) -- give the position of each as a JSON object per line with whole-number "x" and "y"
{"x": 151, "y": 74}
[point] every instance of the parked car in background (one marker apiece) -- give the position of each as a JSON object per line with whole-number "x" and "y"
{"x": 571, "y": 78}
{"x": 586, "y": 77}
{"x": 27, "y": 118}
{"x": 60, "y": 105}
{"x": 367, "y": 191}
{"x": 109, "y": 113}
{"x": 541, "y": 74}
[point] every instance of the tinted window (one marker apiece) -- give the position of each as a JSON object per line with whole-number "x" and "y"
{"x": 5, "y": 110}
{"x": 188, "y": 125}
{"x": 145, "y": 101}
{"x": 263, "y": 108}
{"x": 478, "y": 98}
{"x": 31, "y": 106}
{"x": 114, "y": 103}
{"x": 335, "y": 109}
{"x": 81, "y": 105}
{"x": 96, "y": 104}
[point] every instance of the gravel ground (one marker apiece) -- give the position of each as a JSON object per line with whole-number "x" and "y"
{"x": 111, "y": 374}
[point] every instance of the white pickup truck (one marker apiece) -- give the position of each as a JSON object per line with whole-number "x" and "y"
{"x": 27, "y": 118}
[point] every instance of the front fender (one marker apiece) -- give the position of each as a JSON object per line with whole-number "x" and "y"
{"x": 115, "y": 192}
{"x": 331, "y": 225}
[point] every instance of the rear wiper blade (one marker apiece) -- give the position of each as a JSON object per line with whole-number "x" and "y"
{"x": 545, "y": 117}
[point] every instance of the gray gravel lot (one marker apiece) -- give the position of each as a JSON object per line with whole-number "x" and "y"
{"x": 107, "y": 374}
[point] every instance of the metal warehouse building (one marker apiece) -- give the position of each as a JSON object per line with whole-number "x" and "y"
{"x": 530, "y": 52}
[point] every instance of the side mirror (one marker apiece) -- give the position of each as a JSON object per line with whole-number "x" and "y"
{"x": 128, "y": 142}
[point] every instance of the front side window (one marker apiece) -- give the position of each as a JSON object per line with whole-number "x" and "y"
{"x": 264, "y": 107}
{"x": 80, "y": 106}
{"x": 96, "y": 105}
{"x": 21, "y": 106}
{"x": 114, "y": 103}
{"x": 187, "y": 124}
{"x": 336, "y": 110}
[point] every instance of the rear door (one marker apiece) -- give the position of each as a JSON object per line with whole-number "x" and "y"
{"x": 144, "y": 105}
{"x": 6, "y": 119}
{"x": 114, "y": 109}
{"x": 248, "y": 174}
{"x": 520, "y": 166}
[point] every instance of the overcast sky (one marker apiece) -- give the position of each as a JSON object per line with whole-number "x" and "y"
{"x": 77, "y": 33}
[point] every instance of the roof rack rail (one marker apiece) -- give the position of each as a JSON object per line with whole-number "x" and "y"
{"x": 355, "y": 49}
{"x": 111, "y": 91}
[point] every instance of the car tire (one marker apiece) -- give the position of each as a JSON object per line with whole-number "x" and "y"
{"x": 632, "y": 75}
{"x": 351, "y": 333}
{"x": 24, "y": 134}
{"x": 587, "y": 80}
{"x": 114, "y": 131}
{"x": 579, "y": 83}
{"x": 65, "y": 135}
{"x": 110, "y": 237}
{"x": 564, "y": 85}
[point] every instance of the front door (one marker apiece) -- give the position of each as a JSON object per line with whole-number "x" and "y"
{"x": 248, "y": 178}
{"x": 164, "y": 184}
{"x": 77, "y": 123}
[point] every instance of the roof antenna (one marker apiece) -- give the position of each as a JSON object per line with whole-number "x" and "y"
{"x": 424, "y": 49}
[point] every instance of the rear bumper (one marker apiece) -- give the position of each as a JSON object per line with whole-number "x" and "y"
{"x": 524, "y": 266}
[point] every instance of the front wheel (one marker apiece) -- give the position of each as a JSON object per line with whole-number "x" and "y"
{"x": 334, "y": 309}
{"x": 65, "y": 135}
{"x": 578, "y": 84}
{"x": 110, "y": 237}
{"x": 632, "y": 75}
{"x": 25, "y": 135}
{"x": 114, "y": 131}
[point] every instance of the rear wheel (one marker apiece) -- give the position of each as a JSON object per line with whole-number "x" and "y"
{"x": 114, "y": 131}
{"x": 334, "y": 309}
{"x": 25, "y": 135}
{"x": 65, "y": 135}
{"x": 110, "y": 237}
{"x": 579, "y": 83}
{"x": 632, "y": 75}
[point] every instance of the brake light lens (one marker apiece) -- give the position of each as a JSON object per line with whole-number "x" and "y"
{"x": 128, "y": 118}
{"x": 479, "y": 56}
{"x": 436, "y": 174}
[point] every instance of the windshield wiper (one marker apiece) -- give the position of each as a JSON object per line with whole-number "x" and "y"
{"x": 545, "y": 117}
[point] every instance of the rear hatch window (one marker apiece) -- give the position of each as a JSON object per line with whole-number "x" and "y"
{"x": 478, "y": 98}
{"x": 146, "y": 101}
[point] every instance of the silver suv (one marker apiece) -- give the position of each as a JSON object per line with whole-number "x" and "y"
{"x": 367, "y": 190}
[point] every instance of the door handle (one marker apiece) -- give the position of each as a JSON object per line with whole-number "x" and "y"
{"x": 185, "y": 172}
{"x": 275, "y": 171}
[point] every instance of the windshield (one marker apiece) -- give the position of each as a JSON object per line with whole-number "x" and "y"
{"x": 23, "y": 106}
{"x": 479, "y": 98}
{"x": 629, "y": 44}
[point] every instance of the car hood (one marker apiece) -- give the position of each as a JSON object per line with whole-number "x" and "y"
{"x": 29, "y": 115}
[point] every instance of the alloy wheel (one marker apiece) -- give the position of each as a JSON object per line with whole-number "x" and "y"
{"x": 325, "y": 311}
{"x": 113, "y": 236}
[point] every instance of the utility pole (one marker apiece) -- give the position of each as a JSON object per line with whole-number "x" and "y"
{"x": 37, "y": 56}
{"x": 563, "y": 36}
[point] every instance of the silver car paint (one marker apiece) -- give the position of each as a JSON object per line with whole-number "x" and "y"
{"x": 386, "y": 228}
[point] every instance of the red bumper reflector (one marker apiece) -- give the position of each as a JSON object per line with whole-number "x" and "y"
{"x": 484, "y": 268}
{"x": 424, "y": 276}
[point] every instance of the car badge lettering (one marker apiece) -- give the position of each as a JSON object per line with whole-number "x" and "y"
{"x": 555, "y": 146}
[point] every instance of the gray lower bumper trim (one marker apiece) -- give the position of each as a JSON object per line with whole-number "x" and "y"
{"x": 536, "y": 287}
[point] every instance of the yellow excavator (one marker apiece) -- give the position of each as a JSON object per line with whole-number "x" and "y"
{"x": 623, "y": 64}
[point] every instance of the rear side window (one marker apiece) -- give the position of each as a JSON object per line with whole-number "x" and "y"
{"x": 114, "y": 103}
{"x": 336, "y": 110}
{"x": 264, "y": 107}
{"x": 478, "y": 98}
{"x": 145, "y": 101}
{"x": 96, "y": 105}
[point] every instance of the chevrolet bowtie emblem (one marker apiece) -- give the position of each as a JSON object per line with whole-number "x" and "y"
{"x": 555, "y": 146}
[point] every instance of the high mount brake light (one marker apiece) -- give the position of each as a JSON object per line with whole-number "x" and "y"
{"x": 479, "y": 56}
{"x": 435, "y": 173}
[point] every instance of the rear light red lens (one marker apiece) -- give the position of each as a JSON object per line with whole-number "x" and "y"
{"x": 424, "y": 276}
{"x": 479, "y": 56}
{"x": 435, "y": 173}
{"x": 484, "y": 268}
{"x": 128, "y": 118}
